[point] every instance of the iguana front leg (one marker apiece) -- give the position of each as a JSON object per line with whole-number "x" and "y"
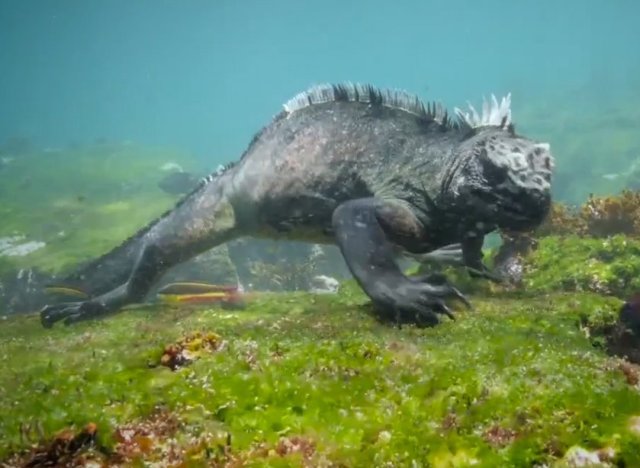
{"x": 472, "y": 257}
{"x": 364, "y": 243}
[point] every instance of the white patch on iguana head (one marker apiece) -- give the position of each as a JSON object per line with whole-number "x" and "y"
{"x": 506, "y": 179}
{"x": 494, "y": 113}
{"x": 528, "y": 164}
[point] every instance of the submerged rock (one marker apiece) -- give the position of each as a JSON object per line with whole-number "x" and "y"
{"x": 15, "y": 247}
{"x": 5, "y": 161}
{"x": 267, "y": 264}
{"x": 630, "y": 315}
{"x": 177, "y": 183}
{"x": 213, "y": 267}
{"x": 171, "y": 166}
{"x": 509, "y": 261}
{"x": 22, "y": 291}
{"x": 324, "y": 284}
{"x": 577, "y": 456}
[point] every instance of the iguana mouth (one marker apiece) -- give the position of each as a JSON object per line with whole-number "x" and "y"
{"x": 522, "y": 212}
{"x": 528, "y": 214}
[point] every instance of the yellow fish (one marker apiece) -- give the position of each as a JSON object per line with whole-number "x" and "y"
{"x": 62, "y": 290}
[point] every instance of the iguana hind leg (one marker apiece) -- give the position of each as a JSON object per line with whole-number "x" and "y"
{"x": 145, "y": 272}
{"x": 365, "y": 245}
{"x": 192, "y": 229}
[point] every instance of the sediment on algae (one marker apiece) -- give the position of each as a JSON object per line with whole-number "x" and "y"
{"x": 299, "y": 377}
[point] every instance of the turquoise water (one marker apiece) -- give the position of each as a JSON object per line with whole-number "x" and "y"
{"x": 192, "y": 81}
{"x": 205, "y": 75}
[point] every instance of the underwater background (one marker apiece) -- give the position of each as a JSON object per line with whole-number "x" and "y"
{"x": 204, "y": 76}
{"x": 110, "y": 111}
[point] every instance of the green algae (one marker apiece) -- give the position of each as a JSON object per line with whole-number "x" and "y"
{"x": 609, "y": 266}
{"x": 324, "y": 368}
{"x": 81, "y": 202}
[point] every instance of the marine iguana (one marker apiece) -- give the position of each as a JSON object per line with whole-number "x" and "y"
{"x": 371, "y": 170}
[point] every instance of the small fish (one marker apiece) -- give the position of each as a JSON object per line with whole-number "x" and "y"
{"x": 201, "y": 293}
{"x": 630, "y": 314}
{"x": 64, "y": 290}
{"x": 194, "y": 287}
{"x": 196, "y": 298}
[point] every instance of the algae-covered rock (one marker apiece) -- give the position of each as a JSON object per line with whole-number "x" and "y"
{"x": 284, "y": 266}
{"x": 317, "y": 379}
{"x": 572, "y": 263}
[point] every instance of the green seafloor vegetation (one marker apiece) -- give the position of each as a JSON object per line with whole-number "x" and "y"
{"x": 80, "y": 201}
{"x": 298, "y": 379}
{"x": 530, "y": 377}
{"x": 527, "y": 378}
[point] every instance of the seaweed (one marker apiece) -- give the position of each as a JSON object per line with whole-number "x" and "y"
{"x": 599, "y": 216}
{"x": 609, "y": 266}
{"x": 316, "y": 379}
{"x": 606, "y": 216}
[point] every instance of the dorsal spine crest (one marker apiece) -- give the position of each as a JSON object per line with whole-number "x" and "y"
{"x": 494, "y": 113}
{"x": 368, "y": 94}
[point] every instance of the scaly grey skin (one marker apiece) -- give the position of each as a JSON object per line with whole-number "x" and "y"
{"x": 373, "y": 171}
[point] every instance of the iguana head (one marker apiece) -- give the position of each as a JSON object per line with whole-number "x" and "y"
{"x": 503, "y": 178}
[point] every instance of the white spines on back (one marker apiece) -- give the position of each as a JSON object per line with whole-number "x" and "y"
{"x": 494, "y": 113}
{"x": 365, "y": 93}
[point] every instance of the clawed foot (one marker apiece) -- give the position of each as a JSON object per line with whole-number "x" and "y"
{"x": 70, "y": 312}
{"x": 419, "y": 299}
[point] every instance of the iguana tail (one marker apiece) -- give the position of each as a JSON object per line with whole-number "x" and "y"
{"x": 103, "y": 273}
{"x": 201, "y": 220}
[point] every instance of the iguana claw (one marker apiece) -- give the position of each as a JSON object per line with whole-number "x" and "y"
{"x": 70, "y": 312}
